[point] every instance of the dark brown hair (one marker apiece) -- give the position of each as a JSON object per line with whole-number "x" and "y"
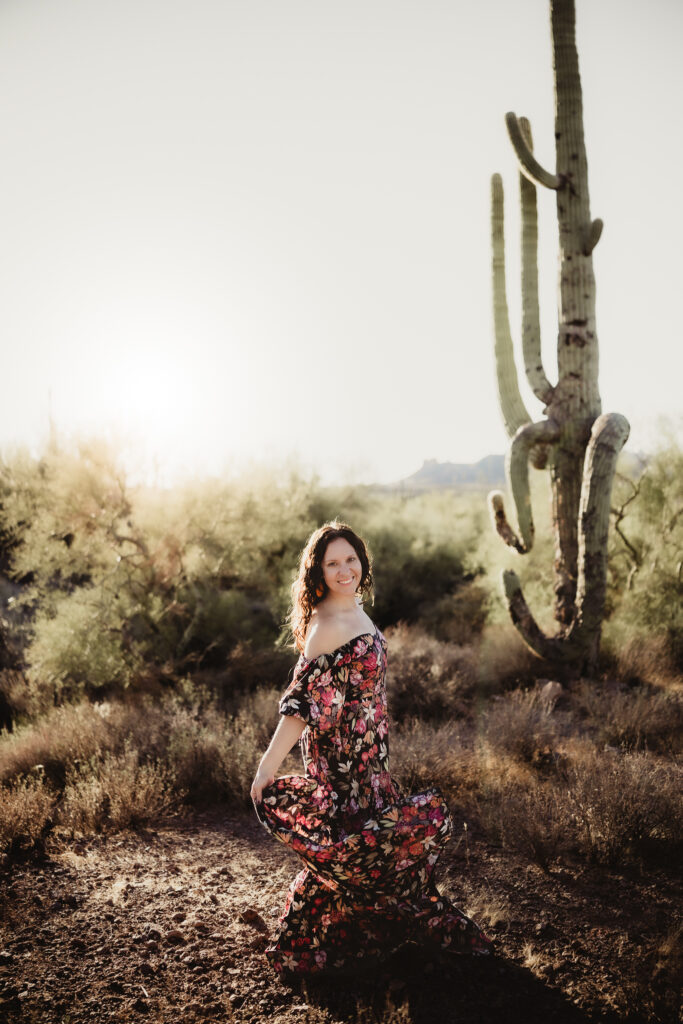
{"x": 309, "y": 588}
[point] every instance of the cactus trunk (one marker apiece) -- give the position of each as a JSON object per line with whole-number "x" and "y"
{"x": 581, "y": 446}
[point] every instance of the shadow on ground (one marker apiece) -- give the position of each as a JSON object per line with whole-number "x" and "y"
{"x": 449, "y": 990}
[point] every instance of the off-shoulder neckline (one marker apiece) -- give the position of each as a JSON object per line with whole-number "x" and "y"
{"x": 330, "y": 654}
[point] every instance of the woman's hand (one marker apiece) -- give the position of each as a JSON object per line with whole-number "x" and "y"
{"x": 285, "y": 736}
{"x": 262, "y": 779}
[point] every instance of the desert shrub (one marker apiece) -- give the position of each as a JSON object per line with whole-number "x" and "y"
{"x": 215, "y": 759}
{"x": 459, "y": 618}
{"x": 645, "y": 593}
{"x": 66, "y": 735}
{"x": 531, "y": 819}
{"x": 426, "y": 677}
{"x": 503, "y": 661}
{"x": 637, "y": 719}
{"x": 421, "y": 547}
{"x": 522, "y": 726}
{"x": 425, "y": 755}
{"x": 26, "y": 806}
{"x": 119, "y": 791}
{"x": 653, "y": 993}
{"x": 626, "y": 805}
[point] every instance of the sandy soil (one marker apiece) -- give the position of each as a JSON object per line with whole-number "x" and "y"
{"x": 170, "y": 924}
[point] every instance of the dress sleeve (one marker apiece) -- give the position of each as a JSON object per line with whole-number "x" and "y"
{"x": 316, "y": 693}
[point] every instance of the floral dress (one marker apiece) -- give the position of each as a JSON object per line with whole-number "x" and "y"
{"x": 369, "y": 850}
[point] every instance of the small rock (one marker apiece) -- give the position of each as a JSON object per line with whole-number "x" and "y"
{"x": 213, "y": 897}
{"x": 175, "y": 938}
{"x": 179, "y": 915}
{"x": 146, "y": 968}
{"x": 152, "y": 946}
{"x": 141, "y": 1005}
{"x": 253, "y": 918}
{"x": 199, "y": 926}
{"x": 236, "y": 1000}
{"x": 550, "y": 693}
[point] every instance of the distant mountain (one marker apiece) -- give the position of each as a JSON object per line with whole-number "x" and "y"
{"x": 488, "y": 473}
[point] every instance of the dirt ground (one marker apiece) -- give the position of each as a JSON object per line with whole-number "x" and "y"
{"x": 169, "y": 925}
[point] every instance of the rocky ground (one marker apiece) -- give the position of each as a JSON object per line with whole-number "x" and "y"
{"x": 170, "y": 924}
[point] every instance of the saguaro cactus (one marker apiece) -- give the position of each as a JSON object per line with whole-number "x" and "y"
{"x": 578, "y": 444}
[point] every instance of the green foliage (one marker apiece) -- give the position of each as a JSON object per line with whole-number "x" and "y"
{"x": 122, "y": 588}
{"x": 113, "y": 588}
{"x": 646, "y": 555}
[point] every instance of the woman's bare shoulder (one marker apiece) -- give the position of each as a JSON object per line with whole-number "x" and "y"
{"x": 327, "y": 634}
{"x": 324, "y": 636}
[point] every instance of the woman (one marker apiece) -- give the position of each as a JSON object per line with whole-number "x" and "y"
{"x": 369, "y": 851}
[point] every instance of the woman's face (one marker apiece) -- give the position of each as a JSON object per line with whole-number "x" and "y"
{"x": 342, "y": 569}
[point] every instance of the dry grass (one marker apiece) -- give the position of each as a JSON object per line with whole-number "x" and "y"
{"x": 428, "y": 678}
{"x": 117, "y": 792}
{"x": 653, "y": 993}
{"x": 65, "y": 735}
{"x": 625, "y": 805}
{"x": 646, "y": 659}
{"x": 637, "y": 719}
{"x": 532, "y": 820}
{"x": 524, "y": 727}
{"x": 120, "y": 765}
{"x": 25, "y": 809}
{"x": 424, "y": 755}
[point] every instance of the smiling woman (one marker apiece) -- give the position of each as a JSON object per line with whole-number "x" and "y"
{"x": 369, "y": 850}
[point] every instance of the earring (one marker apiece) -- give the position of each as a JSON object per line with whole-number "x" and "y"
{"x": 320, "y": 590}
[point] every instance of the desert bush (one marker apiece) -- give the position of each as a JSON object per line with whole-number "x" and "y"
{"x": 66, "y": 735}
{"x": 531, "y": 819}
{"x": 626, "y": 805}
{"x": 117, "y": 792}
{"x": 645, "y": 593}
{"x": 26, "y": 806}
{"x": 426, "y": 677}
{"x": 503, "y": 661}
{"x": 522, "y": 726}
{"x": 424, "y": 755}
{"x": 421, "y": 549}
{"x": 637, "y": 719}
{"x": 653, "y": 993}
{"x": 645, "y": 658}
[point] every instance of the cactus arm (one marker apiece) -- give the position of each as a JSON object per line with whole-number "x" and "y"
{"x": 592, "y": 236}
{"x": 531, "y": 323}
{"x": 511, "y": 404}
{"x": 523, "y": 620}
{"x": 501, "y": 525}
{"x": 528, "y": 163}
{"x": 529, "y": 437}
{"x": 608, "y": 436}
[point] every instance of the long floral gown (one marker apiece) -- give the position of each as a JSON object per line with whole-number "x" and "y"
{"x": 369, "y": 850}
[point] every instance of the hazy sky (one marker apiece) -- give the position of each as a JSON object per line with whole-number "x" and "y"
{"x": 235, "y": 229}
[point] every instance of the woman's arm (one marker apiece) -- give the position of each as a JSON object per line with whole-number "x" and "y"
{"x": 285, "y": 736}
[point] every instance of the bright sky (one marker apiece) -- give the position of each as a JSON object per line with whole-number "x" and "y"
{"x": 240, "y": 229}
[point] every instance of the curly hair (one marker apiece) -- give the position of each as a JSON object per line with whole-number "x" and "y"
{"x": 309, "y": 588}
